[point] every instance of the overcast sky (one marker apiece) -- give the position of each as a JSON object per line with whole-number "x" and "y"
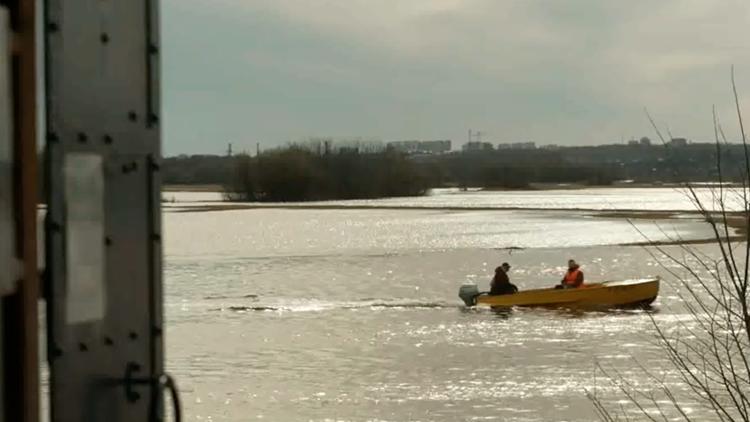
{"x": 564, "y": 72}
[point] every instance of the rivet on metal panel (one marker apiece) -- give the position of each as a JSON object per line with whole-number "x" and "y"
{"x": 153, "y": 49}
{"x": 83, "y": 347}
{"x": 82, "y": 138}
{"x": 155, "y": 166}
{"x": 131, "y": 381}
{"x": 108, "y": 341}
{"x": 133, "y": 335}
{"x": 132, "y": 116}
{"x": 153, "y": 119}
{"x": 104, "y": 38}
{"x": 57, "y": 352}
{"x": 52, "y": 137}
{"x": 157, "y": 331}
{"x": 156, "y": 237}
{"x": 107, "y": 139}
{"x": 52, "y": 27}
{"x": 108, "y": 241}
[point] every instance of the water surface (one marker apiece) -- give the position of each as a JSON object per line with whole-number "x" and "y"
{"x": 352, "y": 315}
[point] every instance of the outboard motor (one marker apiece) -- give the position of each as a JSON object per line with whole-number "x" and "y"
{"x": 468, "y": 293}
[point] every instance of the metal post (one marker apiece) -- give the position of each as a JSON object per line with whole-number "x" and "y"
{"x": 104, "y": 289}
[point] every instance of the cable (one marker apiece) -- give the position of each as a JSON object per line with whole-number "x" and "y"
{"x": 167, "y": 382}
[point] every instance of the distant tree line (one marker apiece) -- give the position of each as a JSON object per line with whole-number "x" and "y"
{"x": 496, "y": 171}
{"x": 198, "y": 170}
{"x": 303, "y": 173}
{"x": 322, "y": 170}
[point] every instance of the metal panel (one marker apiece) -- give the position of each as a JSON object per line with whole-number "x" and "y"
{"x": 102, "y": 85}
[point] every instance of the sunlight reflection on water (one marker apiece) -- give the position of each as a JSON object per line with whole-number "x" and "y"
{"x": 353, "y": 315}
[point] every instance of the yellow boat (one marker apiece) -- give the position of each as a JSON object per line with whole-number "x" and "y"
{"x": 609, "y": 294}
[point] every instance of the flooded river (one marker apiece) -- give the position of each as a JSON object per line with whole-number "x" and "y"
{"x": 352, "y": 315}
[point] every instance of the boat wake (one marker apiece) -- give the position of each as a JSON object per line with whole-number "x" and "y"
{"x": 220, "y": 297}
{"x": 320, "y": 306}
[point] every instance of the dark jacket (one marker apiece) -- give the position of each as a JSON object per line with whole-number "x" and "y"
{"x": 501, "y": 285}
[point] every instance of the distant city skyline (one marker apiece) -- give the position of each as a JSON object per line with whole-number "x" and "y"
{"x": 443, "y": 146}
{"x": 578, "y": 72}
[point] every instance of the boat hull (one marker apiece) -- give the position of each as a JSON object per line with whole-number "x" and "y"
{"x": 613, "y": 294}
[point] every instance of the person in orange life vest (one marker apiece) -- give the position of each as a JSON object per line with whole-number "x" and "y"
{"x": 501, "y": 284}
{"x": 573, "y": 277}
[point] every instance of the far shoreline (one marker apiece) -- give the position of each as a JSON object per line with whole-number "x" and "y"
{"x": 207, "y": 187}
{"x": 192, "y": 188}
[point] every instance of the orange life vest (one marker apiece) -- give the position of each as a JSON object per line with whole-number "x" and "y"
{"x": 571, "y": 277}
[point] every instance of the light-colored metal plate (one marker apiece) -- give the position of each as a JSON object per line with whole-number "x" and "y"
{"x": 84, "y": 237}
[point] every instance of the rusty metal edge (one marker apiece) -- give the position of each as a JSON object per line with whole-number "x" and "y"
{"x": 23, "y": 328}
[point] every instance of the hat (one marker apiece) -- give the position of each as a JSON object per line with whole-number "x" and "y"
{"x": 505, "y": 264}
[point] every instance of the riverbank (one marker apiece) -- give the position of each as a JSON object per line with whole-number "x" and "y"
{"x": 192, "y": 188}
{"x": 531, "y": 187}
{"x": 634, "y": 185}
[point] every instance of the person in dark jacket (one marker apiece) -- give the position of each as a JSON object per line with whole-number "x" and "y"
{"x": 501, "y": 284}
